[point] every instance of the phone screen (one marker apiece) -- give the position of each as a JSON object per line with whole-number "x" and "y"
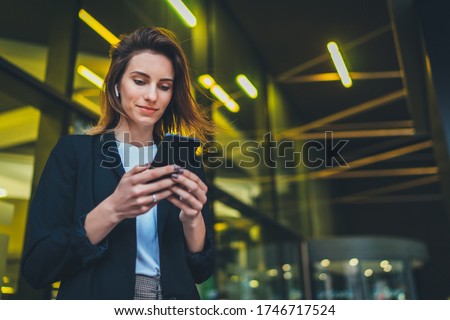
{"x": 179, "y": 150}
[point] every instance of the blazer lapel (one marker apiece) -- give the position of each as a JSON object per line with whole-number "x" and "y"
{"x": 110, "y": 154}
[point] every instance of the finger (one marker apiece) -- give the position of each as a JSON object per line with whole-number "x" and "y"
{"x": 154, "y": 198}
{"x": 188, "y": 198}
{"x": 191, "y": 186}
{"x": 157, "y": 173}
{"x": 136, "y": 170}
{"x": 153, "y": 187}
{"x": 192, "y": 176}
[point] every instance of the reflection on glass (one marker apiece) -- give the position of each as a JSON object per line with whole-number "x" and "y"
{"x": 247, "y": 265}
{"x": 355, "y": 279}
{"x": 16, "y": 173}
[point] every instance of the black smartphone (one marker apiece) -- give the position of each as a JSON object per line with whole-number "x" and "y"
{"x": 179, "y": 150}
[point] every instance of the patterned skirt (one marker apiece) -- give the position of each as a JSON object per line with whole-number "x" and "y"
{"x": 147, "y": 288}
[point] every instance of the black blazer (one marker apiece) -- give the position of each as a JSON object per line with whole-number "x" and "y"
{"x": 81, "y": 172}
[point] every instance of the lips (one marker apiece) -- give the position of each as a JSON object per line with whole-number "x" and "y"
{"x": 148, "y": 108}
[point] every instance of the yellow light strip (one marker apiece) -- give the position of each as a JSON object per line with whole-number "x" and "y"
{"x": 90, "y": 76}
{"x": 339, "y": 64}
{"x": 7, "y": 290}
{"x": 3, "y": 192}
{"x": 184, "y": 12}
{"x": 208, "y": 82}
{"x": 247, "y": 86}
{"x": 97, "y": 27}
{"x": 223, "y": 97}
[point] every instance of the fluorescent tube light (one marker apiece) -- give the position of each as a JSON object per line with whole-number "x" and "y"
{"x": 90, "y": 76}
{"x": 184, "y": 12}
{"x": 98, "y": 27}
{"x": 339, "y": 64}
{"x": 247, "y": 86}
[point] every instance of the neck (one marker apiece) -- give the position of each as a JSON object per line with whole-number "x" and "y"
{"x": 134, "y": 135}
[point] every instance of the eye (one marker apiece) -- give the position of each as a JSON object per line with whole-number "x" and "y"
{"x": 139, "y": 82}
{"x": 165, "y": 88}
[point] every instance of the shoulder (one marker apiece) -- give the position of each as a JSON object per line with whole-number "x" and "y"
{"x": 77, "y": 144}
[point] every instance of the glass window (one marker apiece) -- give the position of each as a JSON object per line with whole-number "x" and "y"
{"x": 16, "y": 175}
{"x": 24, "y": 35}
{"x": 250, "y": 262}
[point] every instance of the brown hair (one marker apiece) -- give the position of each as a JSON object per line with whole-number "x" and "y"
{"x": 183, "y": 115}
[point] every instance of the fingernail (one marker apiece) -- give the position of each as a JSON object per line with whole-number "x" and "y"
{"x": 176, "y": 168}
{"x": 180, "y": 171}
{"x": 174, "y": 176}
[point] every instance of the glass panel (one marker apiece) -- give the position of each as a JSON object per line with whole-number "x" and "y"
{"x": 337, "y": 279}
{"x": 24, "y": 35}
{"x": 385, "y": 280}
{"x": 16, "y": 174}
{"x": 250, "y": 267}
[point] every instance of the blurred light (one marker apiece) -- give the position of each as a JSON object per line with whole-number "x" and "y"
{"x": 384, "y": 263}
{"x": 220, "y": 226}
{"x": 387, "y": 268}
{"x": 253, "y": 283}
{"x": 286, "y": 267}
{"x": 90, "y": 76}
{"x": 7, "y": 290}
{"x": 56, "y": 285}
{"x": 5, "y": 279}
{"x": 272, "y": 272}
{"x": 353, "y": 262}
{"x": 247, "y": 86}
{"x": 287, "y": 275}
{"x": 323, "y": 276}
{"x": 234, "y": 278}
{"x": 98, "y": 27}
{"x": 207, "y": 81}
{"x": 325, "y": 263}
{"x": 3, "y": 192}
{"x": 401, "y": 296}
{"x": 368, "y": 272}
{"x": 184, "y": 12}
{"x": 223, "y": 97}
{"x": 255, "y": 233}
{"x": 339, "y": 64}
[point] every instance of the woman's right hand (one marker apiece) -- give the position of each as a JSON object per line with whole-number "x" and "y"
{"x": 134, "y": 195}
{"x": 137, "y": 191}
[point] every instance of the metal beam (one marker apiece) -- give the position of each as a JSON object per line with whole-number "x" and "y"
{"x": 295, "y": 133}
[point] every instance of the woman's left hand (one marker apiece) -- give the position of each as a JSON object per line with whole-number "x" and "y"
{"x": 191, "y": 192}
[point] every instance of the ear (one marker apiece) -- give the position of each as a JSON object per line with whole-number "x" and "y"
{"x": 116, "y": 91}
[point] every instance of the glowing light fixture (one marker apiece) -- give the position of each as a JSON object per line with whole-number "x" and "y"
{"x": 247, "y": 86}
{"x": 7, "y": 290}
{"x": 184, "y": 12}
{"x": 98, "y": 27}
{"x": 208, "y": 82}
{"x": 90, "y": 76}
{"x": 3, "y": 193}
{"x": 325, "y": 263}
{"x": 368, "y": 273}
{"x": 353, "y": 262}
{"x": 339, "y": 64}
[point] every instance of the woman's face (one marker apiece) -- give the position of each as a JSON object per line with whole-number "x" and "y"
{"x": 146, "y": 89}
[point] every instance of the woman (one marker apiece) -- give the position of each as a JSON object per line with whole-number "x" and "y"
{"x": 140, "y": 234}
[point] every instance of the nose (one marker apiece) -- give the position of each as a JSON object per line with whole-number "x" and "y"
{"x": 151, "y": 94}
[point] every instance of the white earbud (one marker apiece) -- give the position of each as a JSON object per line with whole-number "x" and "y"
{"x": 116, "y": 91}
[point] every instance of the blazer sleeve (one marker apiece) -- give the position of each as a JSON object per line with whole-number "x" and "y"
{"x": 201, "y": 263}
{"x": 57, "y": 245}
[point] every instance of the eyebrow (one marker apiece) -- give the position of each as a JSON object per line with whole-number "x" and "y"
{"x": 147, "y": 76}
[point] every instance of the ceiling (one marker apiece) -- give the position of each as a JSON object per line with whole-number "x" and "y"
{"x": 391, "y": 185}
